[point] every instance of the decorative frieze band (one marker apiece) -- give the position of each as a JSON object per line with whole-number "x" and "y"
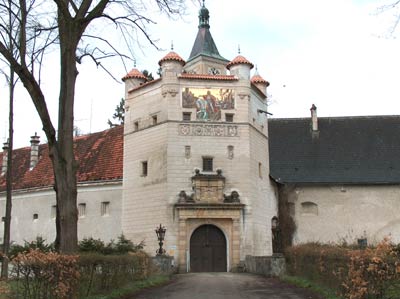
{"x": 208, "y": 130}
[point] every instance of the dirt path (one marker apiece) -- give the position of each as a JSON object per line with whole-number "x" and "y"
{"x": 225, "y": 286}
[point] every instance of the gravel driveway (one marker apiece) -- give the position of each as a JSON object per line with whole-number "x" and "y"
{"x": 225, "y": 286}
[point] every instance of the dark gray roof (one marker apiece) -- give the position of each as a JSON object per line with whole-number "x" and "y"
{"x": 346, "y": 150}
{"x": 205, "y": 45}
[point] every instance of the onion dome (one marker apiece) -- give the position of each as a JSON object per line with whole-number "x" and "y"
{"x": 239, "y": 60}
{"x": 172, "y": 56}
{"x": 257, "y": 79}
{"x": 134, "y": 74}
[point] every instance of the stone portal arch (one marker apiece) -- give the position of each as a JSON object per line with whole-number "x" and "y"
{"x": 208, "y": 250}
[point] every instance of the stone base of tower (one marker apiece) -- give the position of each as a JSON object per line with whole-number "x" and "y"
{"x": 194, "y": 222}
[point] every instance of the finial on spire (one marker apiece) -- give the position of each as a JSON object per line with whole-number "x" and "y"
{"x": 134, "y": 62}
{"x": 204, "y": 17}
{"x": 172, "y": 45}
{"x": 203, "y": 3}
{"x": 239, "y": 49}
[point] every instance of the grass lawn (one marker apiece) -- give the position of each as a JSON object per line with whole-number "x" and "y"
{"x": 132, "y": 288}
{"x": 304, "y": 283}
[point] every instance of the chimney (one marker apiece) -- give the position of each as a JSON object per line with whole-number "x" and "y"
{"x": 5, "y": 158}
{"x": 314, "y": 118}
{"x": 34, "y": 151}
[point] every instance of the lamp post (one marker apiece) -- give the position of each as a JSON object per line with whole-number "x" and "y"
{"x": 160, "y": 231}
{"x": 276, "y": 236}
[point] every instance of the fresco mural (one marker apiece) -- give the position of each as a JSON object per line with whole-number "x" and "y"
{"x": 208, "y": 101}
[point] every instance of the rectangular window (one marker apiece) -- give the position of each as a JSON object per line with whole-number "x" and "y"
{"x": 154, "y": 119}
{"x": 105, "y": 208}
{"x": 229, "y": 117}
{"x": 81, "y": 210}
{"x": 187, "y": 151}
{"x": 3, "y": 219}
{"x": 35, "y": 217}
{"x": 144, "y": 168}
{"x": 136, "y": 125}
{"x": 53, "y": 212}
{"x": 260, "y": 170}
{"x": 186, "y": 116}
{"x": 207, "y": 164}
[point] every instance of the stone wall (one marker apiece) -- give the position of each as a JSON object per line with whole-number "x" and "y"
{"x": 345, "y": 213}
{"x": 265, "y": 265}
{"x": 164, "y": 264}
{"x": 33, "y": 213}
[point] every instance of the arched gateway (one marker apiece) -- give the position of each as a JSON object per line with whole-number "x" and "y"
{"x": 208, "y": 250}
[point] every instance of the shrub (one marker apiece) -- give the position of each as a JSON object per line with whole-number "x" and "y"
{"x": 39, "y": 244}
{"x": 100, "y": 273}
{"x": 45, "y": 275}
{"x": 372, "y": 272}
{"x": 320, "y": 263}
{"x": 122, "y": 246}
{"x": 91, "y": 245}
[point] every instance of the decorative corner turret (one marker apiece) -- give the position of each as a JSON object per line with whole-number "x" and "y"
{"x": 133, "y": 79}
{"x": 260, "y": 82}
{"x": 240, "y": 67}
{"x": 171, "y": 63}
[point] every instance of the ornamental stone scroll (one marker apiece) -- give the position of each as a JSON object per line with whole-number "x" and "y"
{"x": 208, "y": 130}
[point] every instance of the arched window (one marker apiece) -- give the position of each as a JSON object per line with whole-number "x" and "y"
{"x": 309, "y": 208}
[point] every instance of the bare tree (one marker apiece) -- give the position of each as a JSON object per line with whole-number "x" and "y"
{"x": 9, "y": 181}
{"x": 65, "y": 24}
{"x": 11, "y": 81}
{"x": 394, "y": 8}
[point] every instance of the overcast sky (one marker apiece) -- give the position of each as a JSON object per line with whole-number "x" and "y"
{"x": 336, "y": 54}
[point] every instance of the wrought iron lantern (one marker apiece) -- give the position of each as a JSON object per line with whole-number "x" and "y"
{"x": 274, "y": 222}
{"x": 160, "y": 231}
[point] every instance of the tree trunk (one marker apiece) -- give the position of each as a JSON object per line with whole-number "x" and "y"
{"x": 64, "y": 162}
{"x": 7, "y": 222}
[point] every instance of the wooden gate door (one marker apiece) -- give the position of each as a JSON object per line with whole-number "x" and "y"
{"x": 208, "y": 250}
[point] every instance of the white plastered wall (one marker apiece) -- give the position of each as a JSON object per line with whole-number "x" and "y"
{"x": 346, "y": 213}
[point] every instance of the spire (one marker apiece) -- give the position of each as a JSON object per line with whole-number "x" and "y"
{"x": 204, "y": 17}
{"x": 204, "y": 43}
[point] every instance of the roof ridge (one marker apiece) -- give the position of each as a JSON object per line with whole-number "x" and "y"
{"x": 337, "y": 117}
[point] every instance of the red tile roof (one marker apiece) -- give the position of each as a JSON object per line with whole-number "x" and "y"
{"x": 239, "y": 60}
{"x": 134, "y": 73}
{"x": 172, "y": 56}
{"x": 144, "y": 84}
{"x": 258, "y": 79}
{"x": 100, "y": 158}
{"x": 209, "y": 77}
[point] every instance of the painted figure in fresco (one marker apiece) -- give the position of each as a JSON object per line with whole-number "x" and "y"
{"x": 201, "y": 105}
{"x": 208, "y": 102}
{"x": 211, "y": 102}
{"x": 227, "y": 99}
{"x": 188, "y": 98}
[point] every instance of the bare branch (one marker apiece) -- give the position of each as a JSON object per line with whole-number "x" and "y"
{"x": 96, "y": 12}
{"x": 63, "y": 8}
{"x": 74, "y": 7}
{"x": 108, "y": 43}
{"x": 34, "y": 89}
